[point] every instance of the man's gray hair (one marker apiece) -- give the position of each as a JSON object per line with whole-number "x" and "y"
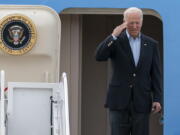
{"x": 133, "y": 10}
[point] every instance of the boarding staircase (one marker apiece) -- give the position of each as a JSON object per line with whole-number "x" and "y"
{"x": 28, "y": 108}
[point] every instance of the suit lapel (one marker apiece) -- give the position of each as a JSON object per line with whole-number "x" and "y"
{"x": 128, "y": 50}
{"x": 142, "y": 51}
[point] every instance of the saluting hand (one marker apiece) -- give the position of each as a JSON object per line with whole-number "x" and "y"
{"x": 119, "y": 29}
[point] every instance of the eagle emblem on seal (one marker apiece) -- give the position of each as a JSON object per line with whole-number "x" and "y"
{"x": 16, "y": 34}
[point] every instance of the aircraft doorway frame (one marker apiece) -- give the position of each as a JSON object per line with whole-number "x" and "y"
{"x": 71, "y": 52}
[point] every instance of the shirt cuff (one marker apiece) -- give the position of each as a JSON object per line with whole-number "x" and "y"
{"x": 114, "y": 37}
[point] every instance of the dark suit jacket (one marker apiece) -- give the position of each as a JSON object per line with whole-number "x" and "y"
{"x": 141, "y": 83}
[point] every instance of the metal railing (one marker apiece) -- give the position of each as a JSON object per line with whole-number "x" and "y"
{"x": 2, "y": 104}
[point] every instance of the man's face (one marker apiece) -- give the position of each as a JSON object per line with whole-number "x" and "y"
{"x": 134, "y": 24}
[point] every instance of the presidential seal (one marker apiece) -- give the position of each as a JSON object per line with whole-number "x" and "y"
{"x": 18, "y": 34}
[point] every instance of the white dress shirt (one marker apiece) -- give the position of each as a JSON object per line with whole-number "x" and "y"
{"x": 135, "y": 44}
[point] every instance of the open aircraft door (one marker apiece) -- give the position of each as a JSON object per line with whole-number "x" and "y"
{"x": 36, "y": 100}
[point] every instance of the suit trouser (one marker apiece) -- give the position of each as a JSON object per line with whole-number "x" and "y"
{"x": 129, "y": 122}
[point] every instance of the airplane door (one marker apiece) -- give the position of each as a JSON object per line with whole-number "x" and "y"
{"x": 30, "y": 43}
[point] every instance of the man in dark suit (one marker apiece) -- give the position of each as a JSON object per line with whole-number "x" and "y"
{"x": 136, "y": 83}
